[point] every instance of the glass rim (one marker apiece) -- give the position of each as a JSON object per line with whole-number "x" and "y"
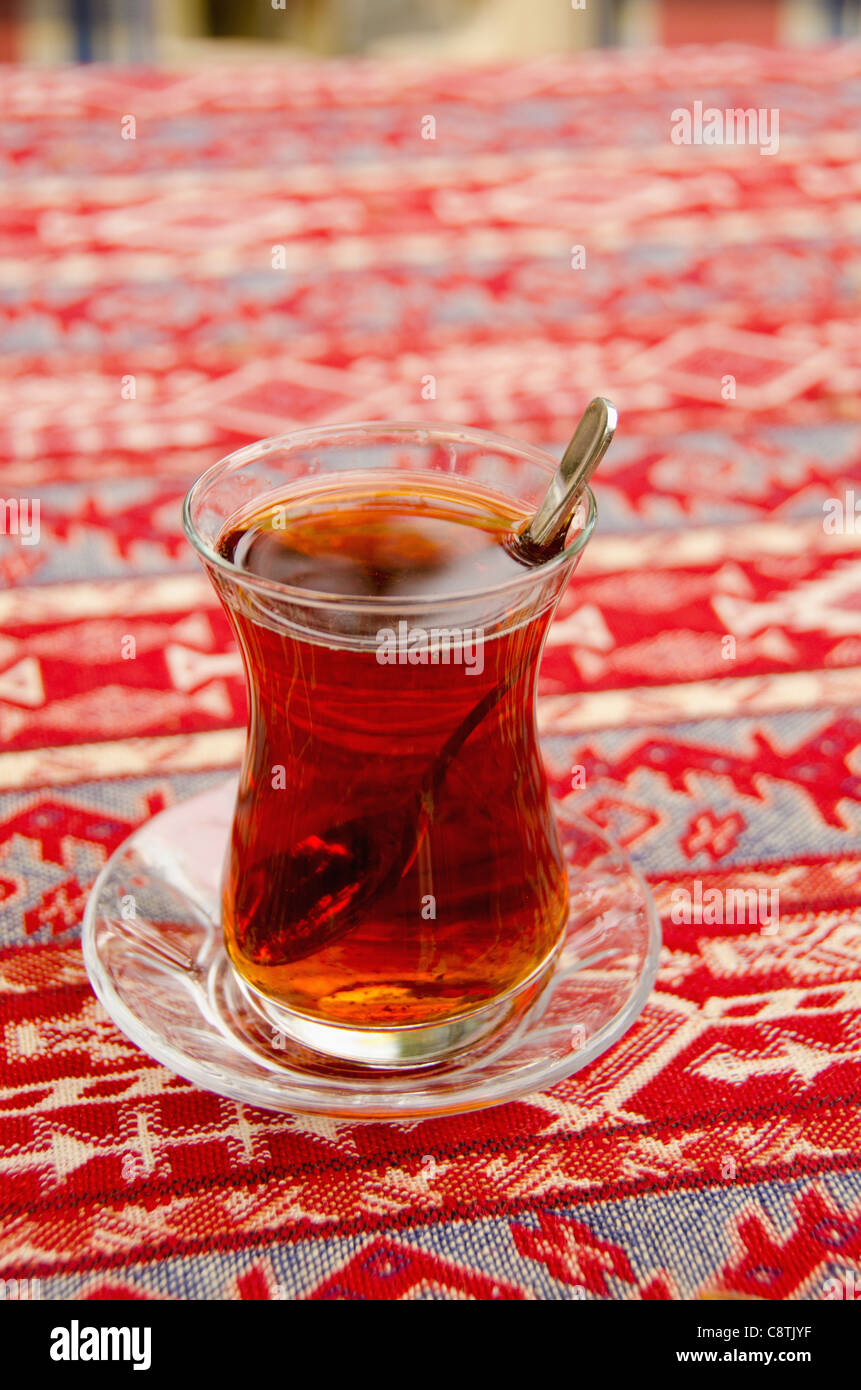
{"x": 435, "y": 431}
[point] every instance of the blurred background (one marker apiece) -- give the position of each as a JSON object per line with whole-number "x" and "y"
{"x": 45, "y": 31}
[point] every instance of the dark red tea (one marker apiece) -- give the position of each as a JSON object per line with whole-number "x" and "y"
{"x": 394, "y": 858}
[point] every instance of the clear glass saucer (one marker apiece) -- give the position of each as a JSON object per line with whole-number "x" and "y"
{"x": 154, "y": 954}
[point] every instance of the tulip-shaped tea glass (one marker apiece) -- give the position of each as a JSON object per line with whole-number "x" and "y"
{"x": 395, "y": 885}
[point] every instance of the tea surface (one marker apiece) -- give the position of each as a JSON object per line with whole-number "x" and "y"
{"x": 410, "y": 542}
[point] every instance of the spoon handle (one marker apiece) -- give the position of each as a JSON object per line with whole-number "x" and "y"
{"x": 589, "y": 443}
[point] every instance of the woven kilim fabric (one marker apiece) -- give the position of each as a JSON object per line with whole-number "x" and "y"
{"x": 281, "y": 245}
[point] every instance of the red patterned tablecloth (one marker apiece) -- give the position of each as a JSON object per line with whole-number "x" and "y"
{"x": 145, "y": 333}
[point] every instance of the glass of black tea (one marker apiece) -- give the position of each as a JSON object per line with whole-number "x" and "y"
{"x": 394, "y": 886}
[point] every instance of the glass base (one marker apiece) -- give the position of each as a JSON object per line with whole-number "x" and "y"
{"x": 415, "y": 1046}
{"x": 155, "y": 956}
